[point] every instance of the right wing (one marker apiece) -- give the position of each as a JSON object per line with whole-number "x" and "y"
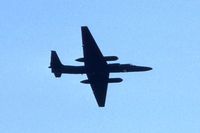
{"x": 99, "y": 84}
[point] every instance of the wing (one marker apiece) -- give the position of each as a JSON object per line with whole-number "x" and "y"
{"x": 99, "y": 86}
{"x": 96, "y": 66}
{"x": 92, "y": 54}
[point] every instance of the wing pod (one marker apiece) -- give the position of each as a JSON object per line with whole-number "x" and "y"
{"x": 110, "y": 80}
{"x": 80, "y": 60}
{"x": 111, "y": 58}
{"x": 115, "y": 80}
{"x": 85, "y": 81}
{"x": 107, "y": 58}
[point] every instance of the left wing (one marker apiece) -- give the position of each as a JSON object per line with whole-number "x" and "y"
{"x": 93, "y": 58}
{"x": 96, "y": 66}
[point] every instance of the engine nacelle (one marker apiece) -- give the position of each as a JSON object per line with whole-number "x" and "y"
{"x": 110, "y": 80}
{"x": 107, "y": 58}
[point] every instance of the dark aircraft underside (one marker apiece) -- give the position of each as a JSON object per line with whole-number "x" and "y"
{"x": 95, "y": 67}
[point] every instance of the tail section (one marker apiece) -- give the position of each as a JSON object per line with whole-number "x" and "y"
{"x": 55, "y": 64}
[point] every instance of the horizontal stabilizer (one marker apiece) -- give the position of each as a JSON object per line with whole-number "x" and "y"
{"x": 57, "y": 75}
{"x": 110, "y": 80}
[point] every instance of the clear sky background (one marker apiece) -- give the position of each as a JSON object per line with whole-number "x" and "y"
{"x": 163, "y": 34}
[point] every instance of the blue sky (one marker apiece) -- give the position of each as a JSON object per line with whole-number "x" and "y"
{"x": 160, "y": 34}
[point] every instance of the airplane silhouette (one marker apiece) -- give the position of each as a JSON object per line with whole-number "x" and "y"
{"x": 95, "y": 67}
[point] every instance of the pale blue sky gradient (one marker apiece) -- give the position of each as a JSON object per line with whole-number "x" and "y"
{"x": 160, "y": 34}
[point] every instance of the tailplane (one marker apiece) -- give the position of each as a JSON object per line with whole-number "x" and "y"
{"x": 55, "y": 64}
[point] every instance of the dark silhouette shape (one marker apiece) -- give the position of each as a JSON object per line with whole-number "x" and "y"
{"x": 95, "y": 67}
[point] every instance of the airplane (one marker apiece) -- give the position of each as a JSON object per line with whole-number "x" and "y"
{"x": 96, "y": 67}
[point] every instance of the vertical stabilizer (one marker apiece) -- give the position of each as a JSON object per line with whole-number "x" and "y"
{"x": 55, "y": 64}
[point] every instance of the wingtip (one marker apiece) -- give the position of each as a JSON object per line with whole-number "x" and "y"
{"x": 101, "y": 105}
{"x": 53, "y": 51}
{"x": 84, "y": 26}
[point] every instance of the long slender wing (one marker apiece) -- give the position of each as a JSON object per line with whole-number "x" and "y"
{"x": 92, "y": 54}
{"x": 96, "y": 66}
{"x": 99, "y": 86}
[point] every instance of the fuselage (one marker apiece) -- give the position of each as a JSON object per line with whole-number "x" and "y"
{"x": 110, "y": 68}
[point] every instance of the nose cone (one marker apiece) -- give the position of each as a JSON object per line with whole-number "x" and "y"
{"x": 147, "y": 68}
{"x": 141, "y": 68}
